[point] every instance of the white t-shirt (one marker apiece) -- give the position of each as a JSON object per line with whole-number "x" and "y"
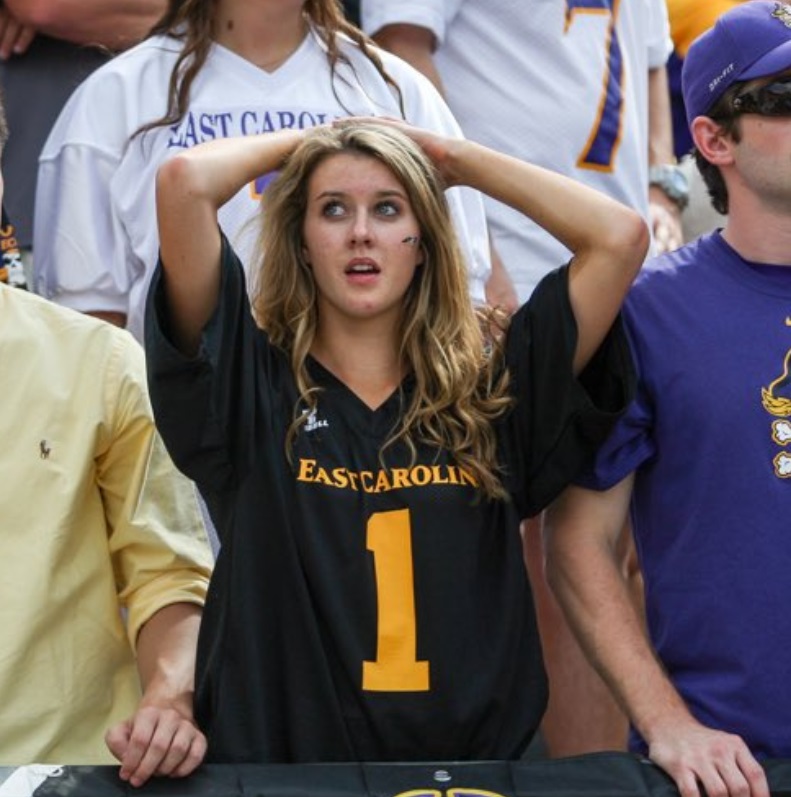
{"x": 95, "y": 234}
{"x": 528, "y": 77}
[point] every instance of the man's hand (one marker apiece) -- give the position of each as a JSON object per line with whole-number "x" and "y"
{"x": 161, "y": 737}
{"x": 156, "y": 741}
{"x": 665, "y": 219}
{"x": 15, "y": 37}
{"x": 702, "y": 759}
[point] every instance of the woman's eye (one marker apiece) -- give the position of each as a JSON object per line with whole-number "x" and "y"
{"x": 333, "y": 209}
{"x": 387, "y": 209}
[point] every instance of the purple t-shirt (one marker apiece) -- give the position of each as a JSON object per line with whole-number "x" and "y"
{"x": 710, "y": 437}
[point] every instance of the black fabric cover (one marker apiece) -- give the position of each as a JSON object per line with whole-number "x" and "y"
{"x": 596, "y": 775}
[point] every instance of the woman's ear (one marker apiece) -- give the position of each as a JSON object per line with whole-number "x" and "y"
{"x": 713, "y": 142}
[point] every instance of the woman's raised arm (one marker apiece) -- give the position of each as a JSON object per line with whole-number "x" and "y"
{"x": 608, "y": 240}
{"x": 190, "y": 189}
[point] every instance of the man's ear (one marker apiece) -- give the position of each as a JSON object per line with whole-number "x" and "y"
{"x": 712, "y": 141}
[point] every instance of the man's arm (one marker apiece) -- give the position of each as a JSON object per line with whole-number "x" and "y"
{"x": 500, "y": 289}
{"x": 415, "y": 45}
{"x": 162, "y": 562}
{"x": 115, "y": 24}
{"x": 664, "y": 212}
{"x": 583, "y": 569}
{"x": 161, "y": 738}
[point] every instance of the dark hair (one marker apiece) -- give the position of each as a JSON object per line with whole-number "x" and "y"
{"x": 723, "y": 113}
{"x": 192, "y": 22}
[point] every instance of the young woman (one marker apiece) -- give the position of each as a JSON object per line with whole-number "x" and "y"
{"x": 211, "y": 69}
{"x": 366, "y": 450}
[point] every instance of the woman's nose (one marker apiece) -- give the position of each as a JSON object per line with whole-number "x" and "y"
{"x": 361, "y": 228}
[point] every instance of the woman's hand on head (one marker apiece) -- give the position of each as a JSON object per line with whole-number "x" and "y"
{"x": 437, "y": 148}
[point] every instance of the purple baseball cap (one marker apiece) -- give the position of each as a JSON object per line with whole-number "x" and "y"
{"x": 749, "y": 41}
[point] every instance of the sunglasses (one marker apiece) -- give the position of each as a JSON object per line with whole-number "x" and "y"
{"x": 773, "y": 99}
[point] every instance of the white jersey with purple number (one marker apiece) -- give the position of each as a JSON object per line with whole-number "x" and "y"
{"x": 95, "y": 234}
{"x": 562, "y": 83}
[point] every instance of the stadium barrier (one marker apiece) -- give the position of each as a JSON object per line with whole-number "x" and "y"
{"x": 594, "y": 775}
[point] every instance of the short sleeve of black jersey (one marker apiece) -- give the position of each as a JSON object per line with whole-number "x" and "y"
{"x": 207, "y": 408}
{"x": 559, "y": 420}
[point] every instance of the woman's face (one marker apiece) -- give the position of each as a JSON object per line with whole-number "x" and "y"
{"x": 360, "y": 237}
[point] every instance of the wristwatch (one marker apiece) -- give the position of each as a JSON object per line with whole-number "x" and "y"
{"x": 672, "y": 180}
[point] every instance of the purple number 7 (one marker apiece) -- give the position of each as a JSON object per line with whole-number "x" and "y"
{"x": 605, "y": 135}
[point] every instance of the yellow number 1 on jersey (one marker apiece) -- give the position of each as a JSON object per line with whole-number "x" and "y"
{"x": 396, "y": 668}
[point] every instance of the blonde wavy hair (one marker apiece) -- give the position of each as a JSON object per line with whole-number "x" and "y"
{"x": 461, "y": 385}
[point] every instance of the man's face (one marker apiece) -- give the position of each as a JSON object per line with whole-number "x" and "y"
{"x": 762, "y": 152}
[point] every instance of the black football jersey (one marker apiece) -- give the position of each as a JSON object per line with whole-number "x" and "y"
{"x": 366, "y": 606}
